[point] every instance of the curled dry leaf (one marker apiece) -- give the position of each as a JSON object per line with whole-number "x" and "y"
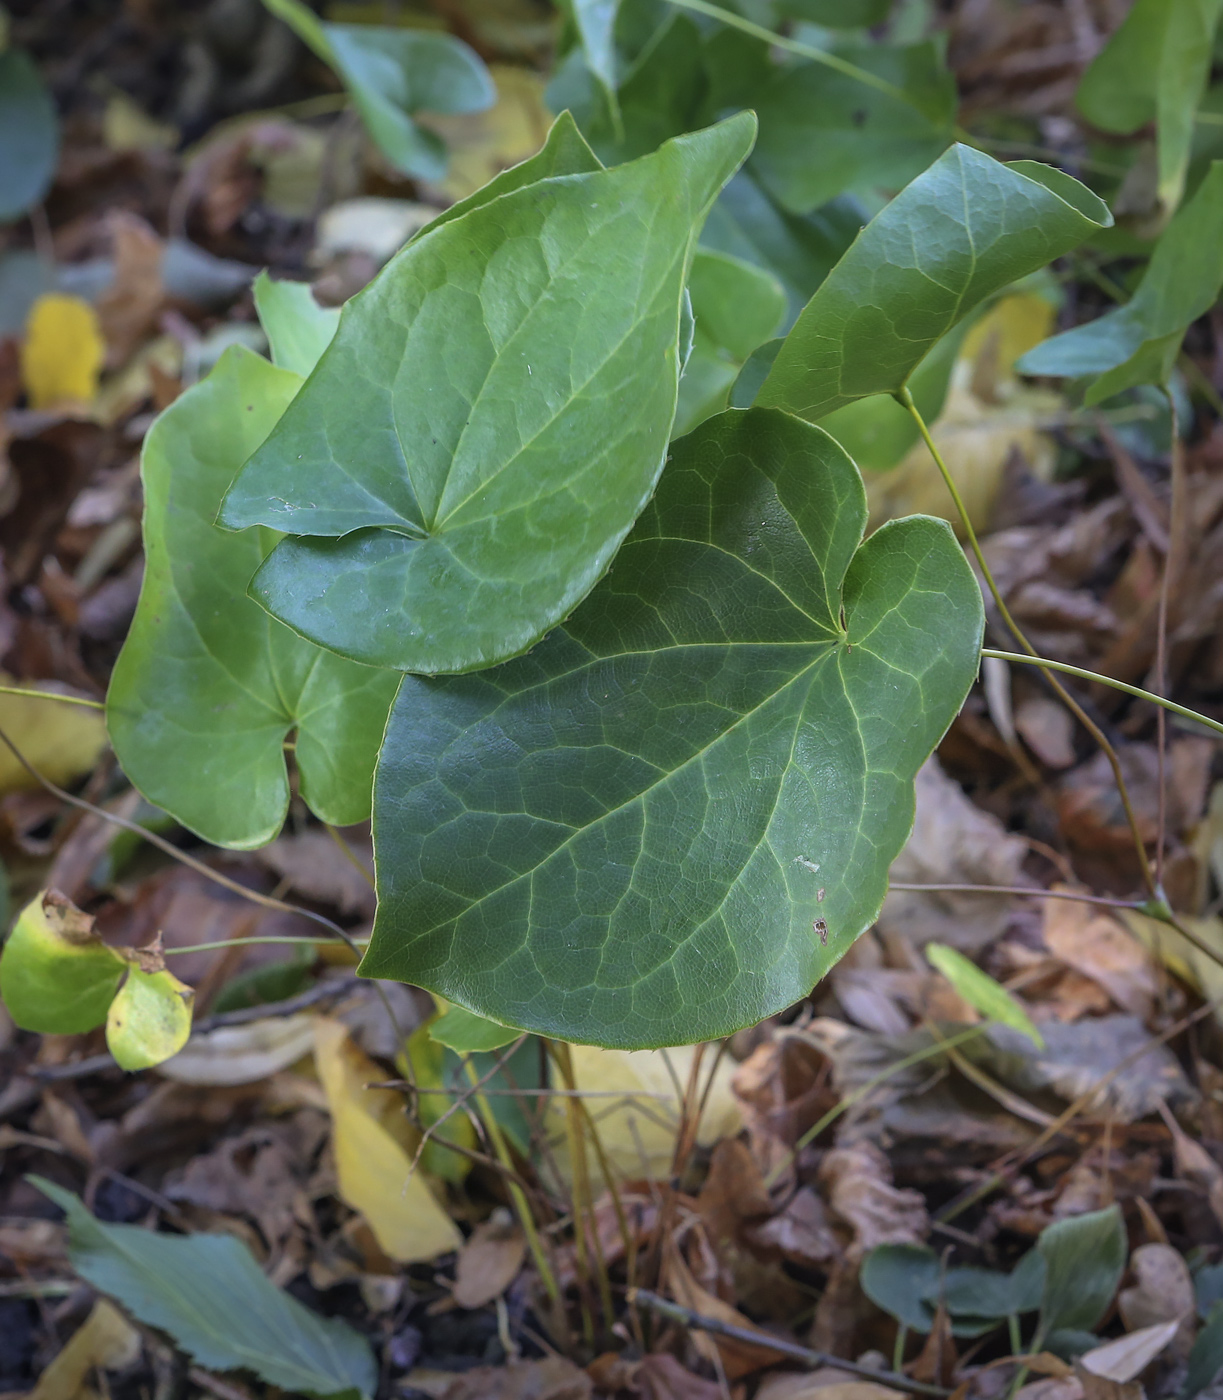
{"x": 1162, "y": 1292}
{"x": 242, "y": 1054}
{"x": 737, "y": 1358}
{"x": 858, "y": 1184}
{"x": 1111, "y": 1371}
{"x": 814, "y": 1387}
{"x": 1098, "y": 946}
{"x": 553, "y": 1378}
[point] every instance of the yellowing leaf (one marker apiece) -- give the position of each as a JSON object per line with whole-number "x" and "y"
{"x": 105, "y": 1340}
{"x": 483, "y": 144}
{"x": 61, "y": 357}
{"x": 374, "y": 1144}
{"x": 638, "y": 1128}
{"x": 149, "y": 1020}
{"x": 1180, "y": 956}
{"x": 61, "y": 740}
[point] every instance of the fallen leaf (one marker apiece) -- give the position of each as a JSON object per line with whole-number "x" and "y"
{"x": 1162, "y": 1291}
{"x": 63, "y": 352}
{"x": 316, "y": 866}
{"x": 61, "y": 741}
{"x": 553, "y": 1378}
{"x": 489, "y": 1262}
{"x": 784, "y": 1387}
{"x": 1111, "y": 1371}
{"x": 1047, "y": 727}
{"x": 737, "y": 1358}
{"x": 661, "y": 1377}
{"x": 250, "y": 1174}
{"x": 857, "y": 1181}
{"x": 638, "y": 1123}
{"x": 129, "y": 307}
{"x": 374, "y": 1145}
{"x": 953, "y": 842}
{"x": 377, "y": 227}
{"x": 242, "y": 1054}
{"x": 106, "y": 1340}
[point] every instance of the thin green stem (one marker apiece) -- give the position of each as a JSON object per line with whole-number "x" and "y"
{"x": 794, "y": 46}
{"x": 1023, "y": 891}
{"x": 905, "y": 399}
{"x": 517, "y": 1194}
{"x": 257, "y": 938}
{"x": 1134, "y": 690}
{"x": 51, "y": 695}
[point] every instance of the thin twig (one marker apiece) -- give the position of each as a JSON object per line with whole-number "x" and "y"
{"x": 752, "y": 1336}
{"x": 1023, "y": 891}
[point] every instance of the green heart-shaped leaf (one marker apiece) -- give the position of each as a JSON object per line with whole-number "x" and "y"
{"x": 958, "y": 233}
{"x": 1155, "y": 69}
{"x": 823, "y": 133}
{"x": 672, "y": 817}
{"x": 490, "y": 418}
{"x": 56, "y": 974}
{"x": 1139, "y": 342}
{"x": 207, "y": 685}
{"x": 392, "y": 74}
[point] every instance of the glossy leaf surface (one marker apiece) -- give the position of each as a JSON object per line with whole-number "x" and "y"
{"x": 56, "y": 974}
{"x": 823, "y": 133}
{"x": 1138, "y": 343}
{"x": 673, "y": 816}
{"x": 467, "y": 430}
{"x": 209, "y": 1295}
{"x": 1155, "y": 68}
{"x": 29, "y": 134}
{"x": 208, "y": 686}
{"x": 392, "y": 74}
{"x": 958, "y": 233}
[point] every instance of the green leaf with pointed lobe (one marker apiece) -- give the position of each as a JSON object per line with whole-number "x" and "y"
{"x": 56, "y": 974}
{"x": 823, "y": 133}
{"x": 208, "y": 686}
{"x": 675, "y": 814}
{"x": 391, "y": 74}
{"x": 1155, "y": 68}
{"x": 490, "y": 419}
{"x": 1138, "y": 343}
{"x": 958, "y": 233}
{"x": 297, "y": 327}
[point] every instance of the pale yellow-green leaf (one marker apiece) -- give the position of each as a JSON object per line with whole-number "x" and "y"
{"x": 979, "y": 989}
{"x": 374, "y": 1145}
{"x": 149, "y": 1020}
{"x": 62, "y": 353}
{"x": 61, "y": 740}
{"x": 1180, "y": 956}
{"x": 636, "y": 1110}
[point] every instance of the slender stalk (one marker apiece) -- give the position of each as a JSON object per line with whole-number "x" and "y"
{"x": 254, "y": 938}
{"x": 1024, "y": 891}
{"x": 905, "y": 399}
{"x": 51, "y": 695}
{"x": 1135, "y": 690}
{"x": 1174, "y": 558}
{"x": 794, "y": 46}
{"x": 517, "y": 1195}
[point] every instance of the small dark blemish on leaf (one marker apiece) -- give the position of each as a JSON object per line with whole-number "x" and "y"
{"x": 821, "y": 928}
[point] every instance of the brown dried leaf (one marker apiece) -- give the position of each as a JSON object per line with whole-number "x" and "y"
{"x": 1162, "y": 1292}
{"x": 488, "y": 1262}
{"x": 858, "y": 1185}
{"x": 1099, "y": 947}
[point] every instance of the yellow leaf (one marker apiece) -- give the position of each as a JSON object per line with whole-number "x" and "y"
{"x": 62, "y": 741}
{"x": 483, "y": 144}
{"x": 149, "y": 1020}
{"x": 1180, "y": 956}
{"x": 638, "y": 1126}
{"x": 374, "y": 1145}
{"x": 104, "y": 1340}
{"x": 61, "y": 357}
